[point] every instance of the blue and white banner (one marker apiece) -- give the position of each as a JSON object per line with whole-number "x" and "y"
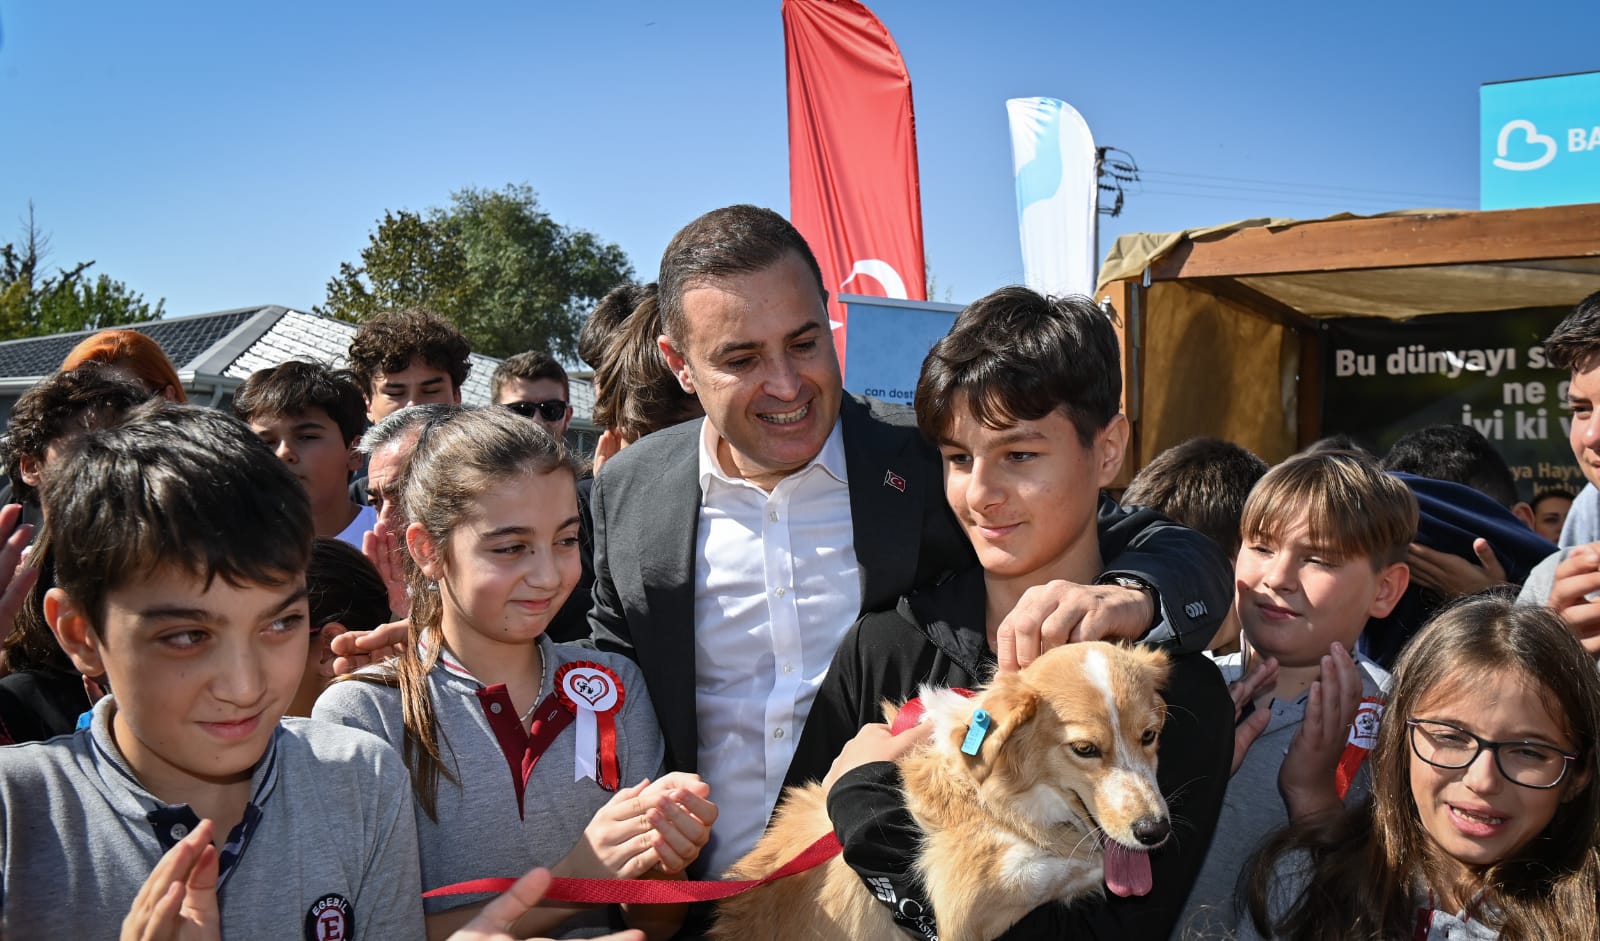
{"x": 1057, "y": 195}
{"x": 1539, "y": 142}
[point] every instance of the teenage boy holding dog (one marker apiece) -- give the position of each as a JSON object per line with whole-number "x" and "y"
{"x": 1022, "y": 400}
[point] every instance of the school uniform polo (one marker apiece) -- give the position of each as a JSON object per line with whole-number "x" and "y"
{"x": 498, "y": 819}
{"x": 326, "y": 849}
{"x": 1252, "y": 808}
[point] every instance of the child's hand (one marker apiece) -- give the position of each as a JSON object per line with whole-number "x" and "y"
{"x": 1307, "y": 776}
{"x": 494, "y": 922}
{"x": 628, "y": 837}
{"x": 178, "y": 902}
{"x": 16, "y": 577}
{"x": 1248, "y": 721}
{"x": 1577, "y": 580}
{"x": 1451, "y": 575}
{"x": 382, "y": 549}
{"x": 357, "y": 649}
{"x": 874, "y": 742}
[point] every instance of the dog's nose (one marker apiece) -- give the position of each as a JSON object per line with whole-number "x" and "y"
{"x": 1151, "y": 831}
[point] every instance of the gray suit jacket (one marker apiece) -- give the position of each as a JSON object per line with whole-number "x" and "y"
{"x": 646, "y": 509}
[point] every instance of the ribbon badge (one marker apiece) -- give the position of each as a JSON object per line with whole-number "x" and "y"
{"x": 1363, "y": 736}
{"x": 595, "y": 695}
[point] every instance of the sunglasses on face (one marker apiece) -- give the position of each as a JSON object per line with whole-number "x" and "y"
{"x": 551, "y": 410}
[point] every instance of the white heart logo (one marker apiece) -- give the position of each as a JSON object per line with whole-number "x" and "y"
{"x": 1534, "y": 137}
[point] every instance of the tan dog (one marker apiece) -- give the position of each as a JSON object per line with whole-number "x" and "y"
{"x": 1060, "y": 797}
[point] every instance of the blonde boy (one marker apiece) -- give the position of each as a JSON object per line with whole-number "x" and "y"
{"x": 1324, "y": 539}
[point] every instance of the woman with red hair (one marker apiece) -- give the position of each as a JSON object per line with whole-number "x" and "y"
{"x": 130, "y": 355}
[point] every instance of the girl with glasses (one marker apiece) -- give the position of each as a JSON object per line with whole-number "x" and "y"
{"x": 1483, "y": 821}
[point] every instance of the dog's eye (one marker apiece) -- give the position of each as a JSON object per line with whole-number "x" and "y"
{"x": 1148, "y": 737}
{"x": 1085, "y": 750}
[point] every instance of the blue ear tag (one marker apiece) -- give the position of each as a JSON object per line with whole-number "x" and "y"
{"x": 976, "y": 732}
{"x": 86, "y": 720}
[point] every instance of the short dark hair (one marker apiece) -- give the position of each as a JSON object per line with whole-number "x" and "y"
{"x": 342, "y": 585}
{"x": 75, "y": 400}
{"x": 390, "y": 341}
{"x": 295, "y": 386}
{"x": 530, "y": 366}
{"x": 1551, "y": 493}
{"x": 1016, "y": 355}
{"x": 174, "y": 485}
{"x": 1576, "y": 339}
{"x": 731, "y": 240}
{"x": 1457, "y": 453}
{"x": 1201, "y": 483}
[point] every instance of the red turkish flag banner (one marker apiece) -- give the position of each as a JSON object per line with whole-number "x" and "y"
{"x": 853, "y": 185}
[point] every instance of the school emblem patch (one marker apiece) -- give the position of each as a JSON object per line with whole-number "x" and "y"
{"x": 331, "y": 918}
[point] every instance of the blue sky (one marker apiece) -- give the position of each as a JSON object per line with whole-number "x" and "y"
{"x": 226, "y": 154}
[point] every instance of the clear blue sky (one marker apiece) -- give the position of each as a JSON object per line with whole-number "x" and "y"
{"x": 226, "y": 154}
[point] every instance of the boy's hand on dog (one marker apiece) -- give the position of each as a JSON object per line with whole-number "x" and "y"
{"x": 356, "y": 649}
{"x": 1248, "y": 721}
{"x": 494, "y": 921}
{"x": 1577, "y": 578}
{"x": 874, "y": 742}
{"x": 1306, "y": 778}
{"x": 1061, "y": 612}
{"x": 178, "y": 902}
{"x": 654, "y": 826}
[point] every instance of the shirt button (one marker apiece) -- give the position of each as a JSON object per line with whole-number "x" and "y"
{"x": 788, "y": 668}
{"x": 494, "y": 707}
{"x": 773, "y": 516}
{"x": 178, "y": 831}
{"x": 777, "y": 734}
{"x": 779, "y": 592}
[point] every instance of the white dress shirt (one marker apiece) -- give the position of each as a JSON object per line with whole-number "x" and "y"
{"x": 776, "y": 587}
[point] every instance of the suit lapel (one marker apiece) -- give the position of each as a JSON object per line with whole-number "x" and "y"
{"x": 888, "y": 487}
{"x": 665, "y": 645}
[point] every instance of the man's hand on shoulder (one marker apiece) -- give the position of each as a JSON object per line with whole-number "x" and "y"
{"x": 1062, "y": 612}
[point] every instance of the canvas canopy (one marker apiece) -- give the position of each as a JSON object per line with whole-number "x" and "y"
{"x": 1222, "y": 327}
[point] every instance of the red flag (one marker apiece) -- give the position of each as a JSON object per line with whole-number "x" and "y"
{"x": 853, "y": 188}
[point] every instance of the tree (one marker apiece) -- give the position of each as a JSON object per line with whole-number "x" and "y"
{"x": 35, "y": 304}
{"x": 493, "y": 262}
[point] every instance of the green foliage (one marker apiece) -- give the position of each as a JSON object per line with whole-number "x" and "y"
{"x": 33, "y": 303}
{"x": 494, "y": 263}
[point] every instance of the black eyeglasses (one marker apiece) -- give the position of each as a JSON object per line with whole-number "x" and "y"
{"x": 1530, "y": 764}
{"x": 551, "y": 410}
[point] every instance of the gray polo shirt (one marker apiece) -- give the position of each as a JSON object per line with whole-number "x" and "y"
{"x": 1252, "y": 808}
{"x": 487, "y": 826}
{"x": 326, "y": 849}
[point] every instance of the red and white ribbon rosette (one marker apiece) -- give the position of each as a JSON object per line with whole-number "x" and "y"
{"x": 1363, "y": 736}
{"x": 595, "y": 695}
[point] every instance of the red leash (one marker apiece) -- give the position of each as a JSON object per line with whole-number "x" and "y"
{"x": 674, "y": 892}
{"x": 654, "y": 891}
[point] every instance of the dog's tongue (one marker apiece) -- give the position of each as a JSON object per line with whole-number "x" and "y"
{"x": 1127, "y": 871}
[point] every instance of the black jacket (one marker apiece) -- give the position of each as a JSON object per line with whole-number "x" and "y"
{"x": 937, "y": 637}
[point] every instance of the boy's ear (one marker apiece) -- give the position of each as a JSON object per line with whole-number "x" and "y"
{"x": 355, "y": 457}
{"x": 71, "y": 627}
{"x": 1392, "y": 582}
{"x": 676, "y": 362}
{"x": 1524, "y": 512}
{"x": 1110, "y": 446}
{"x": 28, "y": 468}
{"x": 423, "y": 548}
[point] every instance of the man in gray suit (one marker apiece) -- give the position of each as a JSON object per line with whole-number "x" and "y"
{"x": 733, "y": 553}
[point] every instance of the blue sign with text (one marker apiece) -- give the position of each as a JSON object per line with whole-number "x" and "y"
{"x": 1540, "y": 142}
{"x": 888, "y": 341}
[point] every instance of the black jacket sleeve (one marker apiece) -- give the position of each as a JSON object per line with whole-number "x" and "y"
{"x": 1192, "y": 578}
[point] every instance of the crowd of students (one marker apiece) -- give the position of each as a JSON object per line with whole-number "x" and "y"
{"x": 277, "y": 673}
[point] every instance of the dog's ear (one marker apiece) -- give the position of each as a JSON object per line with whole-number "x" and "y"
{"x": 1011, "y": 705}
{"x": 1154, "y": 666}
{"x": 890, "y": 710}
